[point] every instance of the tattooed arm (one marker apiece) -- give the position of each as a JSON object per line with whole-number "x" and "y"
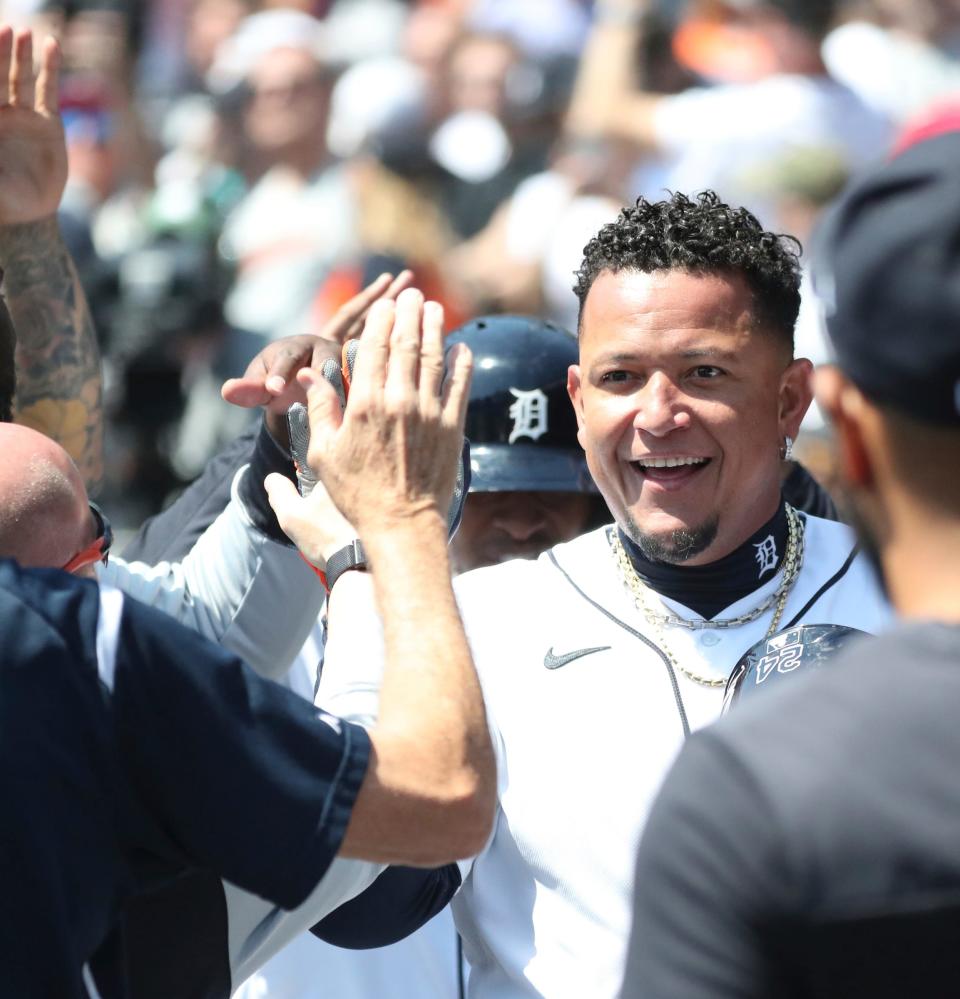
{"x": 57, "y": 362}
{"x": 58, "y": 365}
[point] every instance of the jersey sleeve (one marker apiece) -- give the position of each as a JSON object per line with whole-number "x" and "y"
{"x": 168, "y": 536}
{"x": 707, "y": 884}
{"x": 235, "y": 586}
{"x": 353, "y": 653}
{"x": 226, "y": 771}
{"x": 397, "y": 904}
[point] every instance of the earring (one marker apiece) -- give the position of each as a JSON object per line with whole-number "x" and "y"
{"x": 786, "y": 452}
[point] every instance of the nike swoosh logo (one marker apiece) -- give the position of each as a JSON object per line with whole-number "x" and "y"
{"x": 555, "y": 662}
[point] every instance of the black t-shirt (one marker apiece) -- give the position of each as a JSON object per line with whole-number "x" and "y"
{"x": 809, "y": 843}
{"x": 131, "y": 751}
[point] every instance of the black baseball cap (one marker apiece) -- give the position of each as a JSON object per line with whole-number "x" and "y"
{"x": 887, "y": 273}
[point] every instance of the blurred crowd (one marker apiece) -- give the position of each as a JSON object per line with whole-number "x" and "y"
{"x": 240, "y": 169}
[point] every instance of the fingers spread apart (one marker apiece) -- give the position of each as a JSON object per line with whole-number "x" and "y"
{"x": 394, "y": 450}
{"x": 20, "y": 83}
{"x": 347, "y": 321}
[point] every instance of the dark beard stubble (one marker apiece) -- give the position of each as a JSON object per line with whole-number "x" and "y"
{"x": 677, "y": 546}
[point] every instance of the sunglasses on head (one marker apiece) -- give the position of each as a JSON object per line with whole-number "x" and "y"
{"x": 99, "y": 549}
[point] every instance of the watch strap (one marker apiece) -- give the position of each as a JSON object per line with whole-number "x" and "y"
{"x": 352, "y": 556}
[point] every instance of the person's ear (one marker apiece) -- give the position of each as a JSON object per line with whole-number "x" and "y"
{"x": 843, "y": 405}
{"x": 575, "y": 391}
{"x": 796, "y": 394}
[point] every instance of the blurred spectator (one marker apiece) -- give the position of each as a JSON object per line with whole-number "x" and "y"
{"x": 91, "y": 170}
{"x": 299, "y": 217}
{"x": 499, "y": 124}
{"x": 101, "y": 195}
{"x": 398, "y": 227}
{"x": 170, "y": 351}
{"x": 898, "y": 55}
{"x": 773, "y": 94}
{"x": 358, "y": 30}
{"x": 210, "y": 23}
{"x": 523, "y": 259}
{"x": 544, "y": 29}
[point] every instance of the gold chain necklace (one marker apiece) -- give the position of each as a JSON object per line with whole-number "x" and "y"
{"x": 792, "y": 563}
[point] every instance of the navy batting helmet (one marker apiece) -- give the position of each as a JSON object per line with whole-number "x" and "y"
{"x": 520, "y": 422}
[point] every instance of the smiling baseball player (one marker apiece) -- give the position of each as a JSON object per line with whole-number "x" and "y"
{"x": 608, "y": 650}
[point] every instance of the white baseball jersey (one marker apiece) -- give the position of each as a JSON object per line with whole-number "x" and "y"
{"x": 423, "y": 966}
{"x": 585, "y": 721}
{"x": 234, "y": 588}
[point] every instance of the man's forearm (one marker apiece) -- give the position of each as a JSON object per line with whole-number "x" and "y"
{"x": 58, "y": 364}
{"x": 431, "y": 740}
{"x": 423, "y": 633}
{"x": 606, "y": 100}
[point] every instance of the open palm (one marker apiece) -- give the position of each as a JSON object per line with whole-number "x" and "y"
{"x": 33, "y": 159}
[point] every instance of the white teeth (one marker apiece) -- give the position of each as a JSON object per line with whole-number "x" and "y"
{"x": 669, "y": 462}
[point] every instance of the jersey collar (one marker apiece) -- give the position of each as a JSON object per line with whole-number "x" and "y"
{"x": 708, "y": 589}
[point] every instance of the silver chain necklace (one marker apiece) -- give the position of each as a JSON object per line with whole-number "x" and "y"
{"x": 792, "y": 563}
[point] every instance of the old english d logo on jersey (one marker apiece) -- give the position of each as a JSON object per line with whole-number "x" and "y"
{"x": 553, "y": 661}
{"x": 766, "y": 555}
{"x": 529, "y": 414}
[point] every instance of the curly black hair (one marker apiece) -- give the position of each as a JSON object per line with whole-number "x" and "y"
{"x": 702, "y": 235}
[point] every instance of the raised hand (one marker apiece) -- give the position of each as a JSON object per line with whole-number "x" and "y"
{"x": 33, "y": 156}
{"x": 347, "y": 322}
{"x": 58, "y": 364}
{"x": 391, "y": 456}
{"x": 312, "y": 523}
{"x": 270, "y": 379}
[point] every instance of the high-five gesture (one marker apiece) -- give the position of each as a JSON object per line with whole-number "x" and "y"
{"x": 389, "y": 461}
{"x": 392, "y": 454}
{"x": 33, "y": 158}
{"x": 391, "y": 457}
{"x": 270, "y": 379}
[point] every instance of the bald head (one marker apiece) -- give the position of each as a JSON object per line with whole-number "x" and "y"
{"x": 44, "y": 516}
